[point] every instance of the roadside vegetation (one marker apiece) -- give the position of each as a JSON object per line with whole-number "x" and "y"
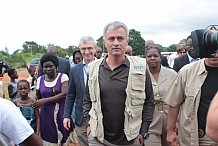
{"x": 30, "y": 50}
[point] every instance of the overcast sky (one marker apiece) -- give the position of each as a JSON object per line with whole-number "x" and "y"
{"x": 64, "y": 22}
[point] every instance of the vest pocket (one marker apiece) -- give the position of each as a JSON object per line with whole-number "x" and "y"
{"x": 91, "y": 84}
{"x": 93, "y": 122}
{"x": 135, "y": 119}
{"x": 138, "y": 99}
{"x": 138, "y": 89}
{"x": 138, "y": 82}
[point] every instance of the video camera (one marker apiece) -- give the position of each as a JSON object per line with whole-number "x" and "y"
{"x": 205, "y": 41}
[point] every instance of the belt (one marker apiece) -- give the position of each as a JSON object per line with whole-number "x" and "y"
{"x": 201, "y": 133}
{"x": 159, "y": 105}
{"x": 158, "y": 102}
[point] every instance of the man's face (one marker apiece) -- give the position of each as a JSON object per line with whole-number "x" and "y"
{"x": 190, "y": 48}
{"x": 212, "y": 62}
{"x": 116, "y": 41}
{"x": 88, "y": 50}
{"x": 98, "y": 53}
{"x": 128, "y": 52}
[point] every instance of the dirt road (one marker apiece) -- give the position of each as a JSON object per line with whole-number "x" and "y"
{"x": 22, "y": 74}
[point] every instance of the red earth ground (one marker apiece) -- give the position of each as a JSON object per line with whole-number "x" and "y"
{"x": 22, "y": 74}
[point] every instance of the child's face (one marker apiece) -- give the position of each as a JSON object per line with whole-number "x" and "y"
{"x": 15, "y": 74}
{"x": 23, "y": 89}
{"x": 78, "y": 58}
{"x": 32, "y": 72}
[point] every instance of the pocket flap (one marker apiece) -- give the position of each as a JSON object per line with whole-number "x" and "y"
{"x": 93, "y": 114}
{"x": 138, "y": 81}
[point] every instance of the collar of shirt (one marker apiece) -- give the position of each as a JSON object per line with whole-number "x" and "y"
{"x": 190, "y": 58}
{"x": 104, "y": 63}
{"x": 86, "y": 63}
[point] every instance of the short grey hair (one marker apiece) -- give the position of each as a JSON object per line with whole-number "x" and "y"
{"x": 129, "y": 47}
{"x": 52, "y": 50}
{"x": 86, "y": 39}
{"x": 116, "y": 25}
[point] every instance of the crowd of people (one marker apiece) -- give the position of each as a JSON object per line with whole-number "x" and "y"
{"x": 112, "y": 100}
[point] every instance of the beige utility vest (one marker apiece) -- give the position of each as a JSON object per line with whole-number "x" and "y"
{"x": 135, "y": 98}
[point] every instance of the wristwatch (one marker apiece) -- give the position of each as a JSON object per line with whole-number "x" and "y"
{"x": 145, "y": 135}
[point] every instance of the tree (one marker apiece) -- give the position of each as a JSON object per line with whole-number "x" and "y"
{"x": 100, "y": 43}
{"x": 6, "y": 50}
{"x": 136, "y": 42}
{"x": 183, "y": 41}
{"x": 172, "y": 48}
{"x": 71, "y": 49}
{"x": 31, "y": 47}
{"x": 162, "y": 49}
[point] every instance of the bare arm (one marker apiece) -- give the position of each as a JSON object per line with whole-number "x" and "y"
{"x": 32, "y": 140}
{"x": 10, "y": 91}
{"x": 212, "y": 124}
{"x": 52, "y": 99}
{"x": 172, "y": 137}
{"x": 37, "y": 121}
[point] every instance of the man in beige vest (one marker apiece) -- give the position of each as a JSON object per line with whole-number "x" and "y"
{"x": 118, "y": 103}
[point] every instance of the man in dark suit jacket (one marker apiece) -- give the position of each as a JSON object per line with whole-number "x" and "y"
{"x": 187, "y": 58}
{"x": 164, "y": 61}
{"x": 77, "y": 83}
{"x": 64, "y": 64}
{"x": 180, "y": 62}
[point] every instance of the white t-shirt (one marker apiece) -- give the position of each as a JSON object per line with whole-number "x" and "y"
{"x": 171, "y": 59}
{"x": 51, "y": 84}
{"x": 14, "y": 128}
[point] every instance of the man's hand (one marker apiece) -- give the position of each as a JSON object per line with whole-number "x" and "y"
{"x": 172, "y": 138}
{"x": 141, "y": 139}
{"x": 66, "y": 123}
{"x": 88, "y": 130}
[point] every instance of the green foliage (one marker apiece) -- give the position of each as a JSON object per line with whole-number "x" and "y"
{"x": 71, "y": 49}
{"x": 183, "y": 41}
{"x": 172, "y": 48}
{"x": 162, "y": 49}
{"x": 31, "y": 50}
{"x": 31, "y": 47}
{"x": 136, "y": 42}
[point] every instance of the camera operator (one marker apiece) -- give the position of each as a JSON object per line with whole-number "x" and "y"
{"x": 190, "y": 94}
{"x": 2, "y": 64}
{"x": 186, "y": 58}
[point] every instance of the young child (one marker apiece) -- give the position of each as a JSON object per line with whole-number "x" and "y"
{"x": 12, "y": 85}
{"x": 32, "y": 76}
{"x": 25, "y": 105}
{"x": 32, "y": 81}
